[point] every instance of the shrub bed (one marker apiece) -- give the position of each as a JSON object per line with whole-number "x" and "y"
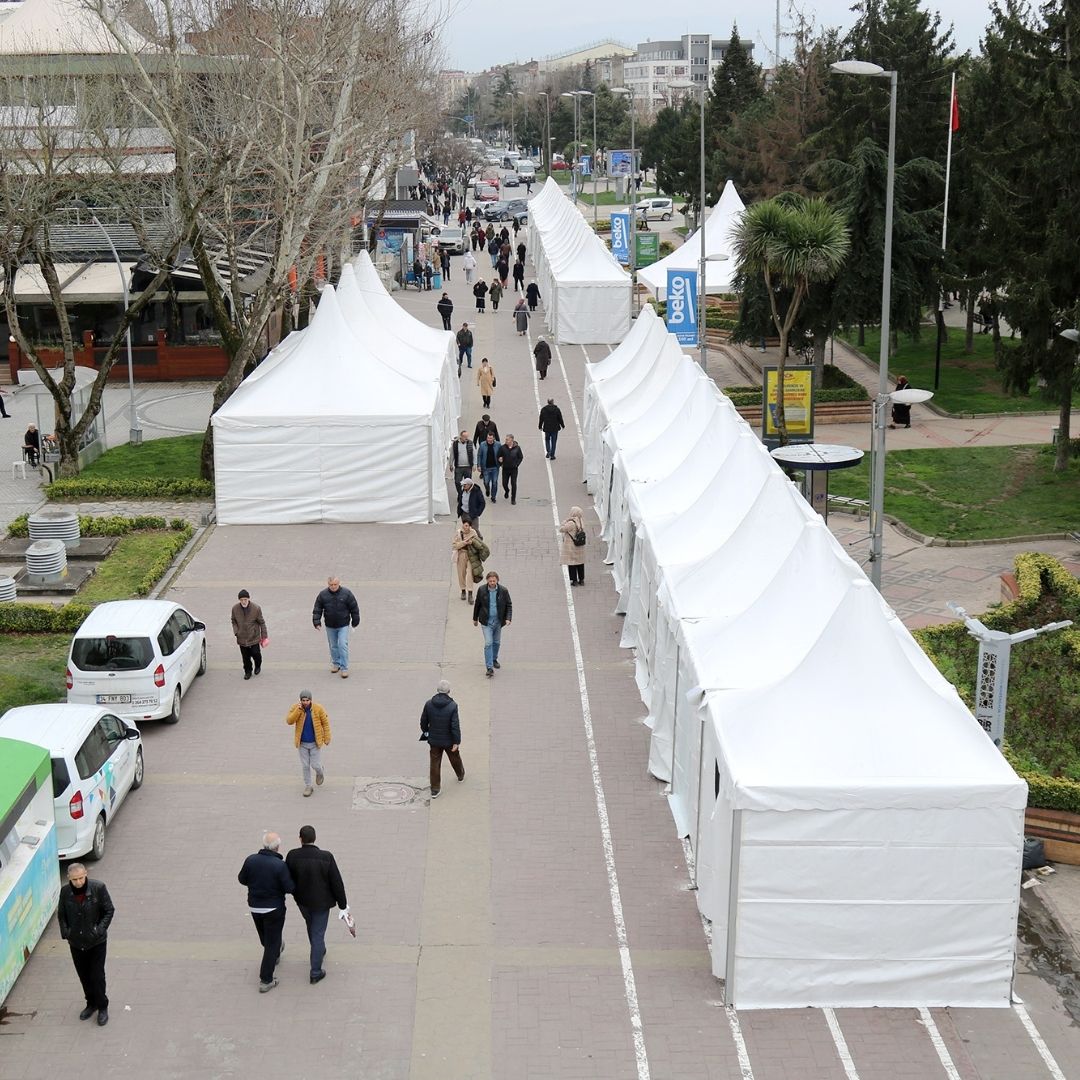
{"x": 86, "y": 487}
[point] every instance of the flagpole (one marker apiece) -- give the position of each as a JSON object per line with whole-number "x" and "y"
{"x": 945, "y": 231}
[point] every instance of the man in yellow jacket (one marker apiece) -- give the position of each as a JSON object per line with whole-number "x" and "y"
{"x": 311, "y": 727}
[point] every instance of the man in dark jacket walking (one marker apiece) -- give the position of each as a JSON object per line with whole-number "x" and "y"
{"x": 551, "y": 423}
{"x": 84, "y": 913}
{"x": 337, "y": 607}
{"x": 472, "y": 503}
{"x": 445, "y": 307}
{"x": 249, "y": 628}
{"x": 492, "y": 610}
{"x": 464, "y": 346}
{"x": 318, "y": 888}
{"x": 485, "y": 426}
{"x": 441, "y": 729}
{"x": 510, "y": 458}
{"x": 267, "y": 880}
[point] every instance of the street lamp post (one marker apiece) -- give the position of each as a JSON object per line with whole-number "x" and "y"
{"x": 592, "y": 159}
{"x": 629, "y": 94}
{"x": 881, "y": 404}
{"x": 545, "y": 154}
{"x": 135, "y": 434}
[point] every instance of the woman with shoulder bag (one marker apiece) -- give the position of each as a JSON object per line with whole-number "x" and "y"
{"x": 470, "y": 552}
{"x": 572, "y": 553}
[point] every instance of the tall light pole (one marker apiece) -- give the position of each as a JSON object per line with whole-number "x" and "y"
{"x": 573, "y": 95}
{"x": 881, "y": 404}
{"x": 135, "y": 434}
{"x": 629, "y": 94}
{"x": 545, "y": 156}
{"x": 589, "y": 93}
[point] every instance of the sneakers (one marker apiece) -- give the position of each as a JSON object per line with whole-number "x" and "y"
{"x": 461, "y": 778}
{"x": 334, "y": 669}
{"x": 265, "y": 988}
{"x": 308, "y": 791}
{"x": 491, "y": 673}
{"x": 436, "y": 794}
{"x": 344, "y": 673}
{"x": 319, "y": 778}
{"x": 496, "y": 664}
{"x": 470, "y": 596}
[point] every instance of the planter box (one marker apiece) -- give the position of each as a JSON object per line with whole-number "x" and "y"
{"x": 1059, "y": 831}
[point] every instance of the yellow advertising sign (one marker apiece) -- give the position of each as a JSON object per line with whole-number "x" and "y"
{"x": 798, "y": 401}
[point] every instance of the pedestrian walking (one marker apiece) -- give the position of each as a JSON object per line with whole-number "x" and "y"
{"x": 572, "y": 552}
{"x": 551, "y": 423}
{"x": 464, "y": 346}
{"x": 542, "y": 356}
{"x": 84, "y": 913}
{"x": 445, "y": 308}
{"x": 461, "y": 459}
{"x": 3, "y": 406}
{"x": 317, "y": 887}
{"x": 485, "y": 426}
{"x": 429, "y": 273}
{"x": 502, "y": 270}
{"x": 516, "y": 226}
{"x": 311, "y": 732}
{"x": 901, "y": 413}
{"x": 519, "y": 277}
{"x": 470, "y": 551}
{"x": 440, "y": 728}
{"x": 249, "y": 629}
{"x": 479, "y": 290}
{"x": 492, "y": 610}
{"x": 521, "y": 318}
{"x": 472, "y": 504}
{"x": 510, "y": 458}
{"x": 521, "y": 253}
{"x": 532, "y": 294}
{"x": 268, "y": 882}
{"x": 338, "y": 609}
{"x": 446, "y": 213}
{"x": 444, "y": 262}
{"x": 493, "y": 247}
{"x": 485, "y": 379}
{"x": 495, "y": 291}
{"x": 468, "y": 264}
{"x": 487, "y": 461}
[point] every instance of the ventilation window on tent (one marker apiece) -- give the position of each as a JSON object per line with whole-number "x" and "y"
{"x": 716, "y": 780}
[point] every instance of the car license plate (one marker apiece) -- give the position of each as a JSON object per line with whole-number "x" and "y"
{"x": 114, "y": 699}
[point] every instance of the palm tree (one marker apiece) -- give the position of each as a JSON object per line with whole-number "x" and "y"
{"x": 792, "y": 241}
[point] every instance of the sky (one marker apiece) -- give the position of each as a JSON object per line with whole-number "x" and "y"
{"x": 475, "y": 40}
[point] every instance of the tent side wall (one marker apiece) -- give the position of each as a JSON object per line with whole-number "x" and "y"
{"x": 891, "y": 907}
{"x": 592, "y": 314}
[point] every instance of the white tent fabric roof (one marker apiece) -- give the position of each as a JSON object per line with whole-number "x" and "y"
{"x": 719, "y": 240}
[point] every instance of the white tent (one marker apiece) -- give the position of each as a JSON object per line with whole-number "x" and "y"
{"x": 719, "y": 240}
{"x": 325, "y": 430}
{"x": 586, "y": 292}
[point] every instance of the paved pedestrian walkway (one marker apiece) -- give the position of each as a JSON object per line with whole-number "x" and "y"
{"x": 533, "y": 924}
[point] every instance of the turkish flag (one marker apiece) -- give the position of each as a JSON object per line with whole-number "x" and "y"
{"x": 955, "y": 111}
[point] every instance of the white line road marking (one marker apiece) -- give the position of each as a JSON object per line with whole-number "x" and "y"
{"x": 939, "y": 1045}
{"x": 1037, "y": 1039}
{"x": 841, "y": 1045}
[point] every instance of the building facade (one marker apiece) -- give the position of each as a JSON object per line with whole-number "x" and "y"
{"x": 659, "y": 71}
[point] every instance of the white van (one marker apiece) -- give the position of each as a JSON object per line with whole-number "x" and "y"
{"x": 97, "y": 758}
{"x": 525, "y": 169}
{"x": 137, "y": 657}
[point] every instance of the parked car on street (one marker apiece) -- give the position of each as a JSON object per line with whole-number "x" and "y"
{"x": 511, "y": 179}
{"x": 504, "y": 211}
{"x": 97, "y": 758}
{"x": 451, "y": 238}
{"x": 655, "y": 208}
{"x": 485, "y": 193}
{"x": 137, "y": 658}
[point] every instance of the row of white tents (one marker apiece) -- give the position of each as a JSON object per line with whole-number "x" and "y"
{"x": 347, "y": 420}
{"x": 586, "y": 292}
{"x": 857, "y": 837}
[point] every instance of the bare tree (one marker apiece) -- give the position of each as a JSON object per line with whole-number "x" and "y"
{"x": 296, "y": 108}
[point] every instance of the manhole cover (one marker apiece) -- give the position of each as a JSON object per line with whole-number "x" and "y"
{"x": 392, "y": 793}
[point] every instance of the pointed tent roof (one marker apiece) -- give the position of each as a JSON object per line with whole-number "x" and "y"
{"x": 61, "y": 28}
{"x": 719, "y": 240}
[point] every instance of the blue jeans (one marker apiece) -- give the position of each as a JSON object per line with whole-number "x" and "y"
{"x": 316, "y": 933}
{"x": 464, "y": 352}
{"x": 550, "y": 439}
{"x": 492, "y": 638}
{"x": 491, "y": 482}
{"x": 338, "y": 636}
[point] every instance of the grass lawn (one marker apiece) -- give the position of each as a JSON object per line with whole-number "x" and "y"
{"x": 32, "y": 672}
{"x": 973, "y": 493}
{"x": 969, "y": 384}
{"x": 120, "y": 574}
{"x": 168, "y": 459}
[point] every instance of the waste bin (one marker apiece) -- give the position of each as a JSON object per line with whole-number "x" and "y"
{"x": 436, "y": 280}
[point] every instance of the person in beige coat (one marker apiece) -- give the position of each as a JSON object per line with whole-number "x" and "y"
{"x": 467, "y": 547}
{"x": 485, "y": 379}
{"x": 571, "y": 555}
{"x": 249, "y": 628}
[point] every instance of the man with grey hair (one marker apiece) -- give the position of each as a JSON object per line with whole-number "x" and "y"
{"x": 337, "y": 608}
{"x": 268, "y": 881}
{"x": 440, "y": 728}
{"x": 84, "y": 912}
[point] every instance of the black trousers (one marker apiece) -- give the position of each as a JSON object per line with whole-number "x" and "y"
{"x": 252, "y": 654}
{"x": 270, "y": 927}
{"x": 577, "y": 573}
{"x": 509, "y": 479}
{"x": 436, "y": 765}
{"x": 90, "y": 967}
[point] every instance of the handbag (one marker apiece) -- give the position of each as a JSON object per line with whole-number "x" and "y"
{"x": 494, "y": 383}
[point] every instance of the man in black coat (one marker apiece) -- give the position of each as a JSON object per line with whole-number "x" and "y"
{"x": 510, "y": 458}
{"x": 445, "y": 307}
{"x": 485, "y": 426}
{"x": 84, "y": 913}
{"x": 551, "y": 423}
{"x": 492, "y": 611}
{"x": 268, "y": 880}
{"x": 440, "y": 727}
{"x": 337, "y": 608}
{"x": 318, "y": 888}
{"x": 472, "y": 503}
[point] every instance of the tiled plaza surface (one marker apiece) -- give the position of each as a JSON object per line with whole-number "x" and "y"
{"x": 486, "y": 942}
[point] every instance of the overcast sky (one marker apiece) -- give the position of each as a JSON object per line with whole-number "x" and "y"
{"x": 479, "y": 36}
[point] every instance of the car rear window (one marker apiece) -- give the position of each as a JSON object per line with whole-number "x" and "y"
{"x": 61, "y": 778}
{"x": 111, "y": 653}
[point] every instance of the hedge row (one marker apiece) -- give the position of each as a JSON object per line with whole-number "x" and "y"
{"x": 111, "y": 525}
{"x": 42, "y": 618}
{"x": 78, "y": 487}
{"x": 156, "y": 570}
{"x": 751, "y": 395}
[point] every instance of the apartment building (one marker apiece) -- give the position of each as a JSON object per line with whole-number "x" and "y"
{"x": 658, "y": 71}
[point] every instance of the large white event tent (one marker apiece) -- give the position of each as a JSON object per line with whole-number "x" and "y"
{"x": 719, "y": 240}
{"x": 326, "y": 430}
{"x": 585, "y": 292}
{"x": 857, "y": 838}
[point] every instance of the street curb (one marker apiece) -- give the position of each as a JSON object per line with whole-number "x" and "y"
{"x": 183, "y": 557}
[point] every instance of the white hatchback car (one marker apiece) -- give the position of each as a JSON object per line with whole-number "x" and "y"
{"x": 97, "y": 758}
{"x": 136, "y": 657}
{"x": 650, "y": 209}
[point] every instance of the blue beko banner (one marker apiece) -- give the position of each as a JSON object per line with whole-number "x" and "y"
{"x": 681, "y": 315}
{"x": 620, "y": 237}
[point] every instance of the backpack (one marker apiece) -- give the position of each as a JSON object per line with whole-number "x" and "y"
{"x": 579, "y": 538}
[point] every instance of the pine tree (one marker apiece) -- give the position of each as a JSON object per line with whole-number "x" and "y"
{"x": 736, "y": 83}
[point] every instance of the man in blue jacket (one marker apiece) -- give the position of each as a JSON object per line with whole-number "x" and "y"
{"x": 440, "y": 727}
{"x": 487, "y": 461}
{"x": 338, "y": 609}
{"x": 472, "y": 503}
{"x": 268, "y": 880}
